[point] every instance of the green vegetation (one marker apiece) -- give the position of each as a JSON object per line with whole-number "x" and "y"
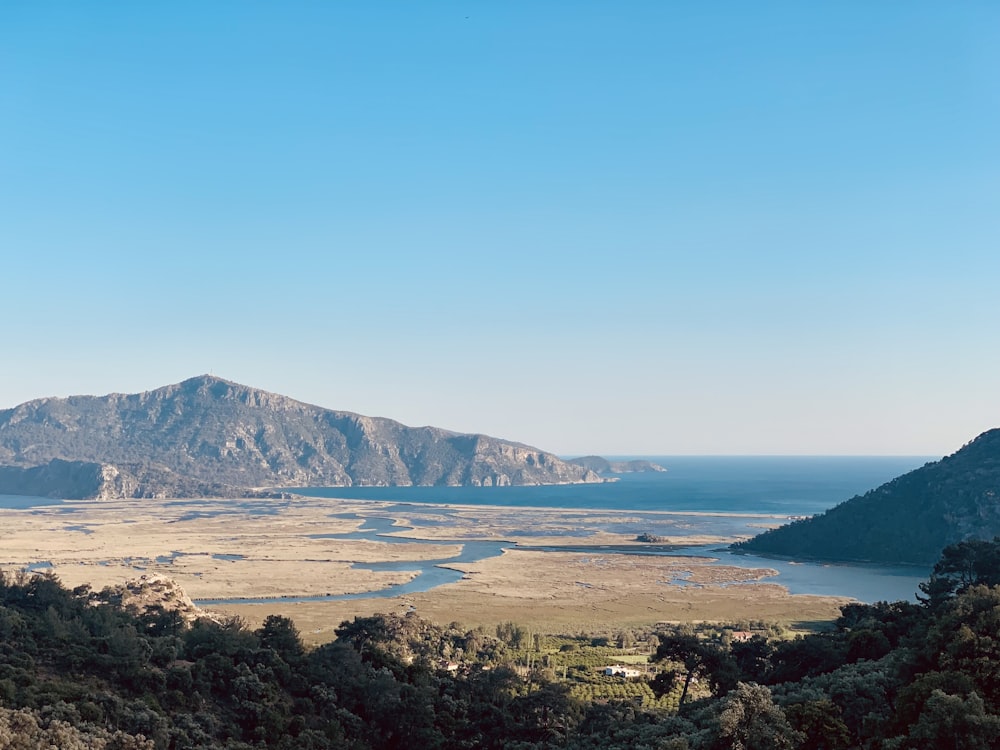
{"x": 909, "y": 520}
{"x": 77, "y": 671}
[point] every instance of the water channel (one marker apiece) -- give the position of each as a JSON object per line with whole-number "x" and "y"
{"x": 867, "y": 583}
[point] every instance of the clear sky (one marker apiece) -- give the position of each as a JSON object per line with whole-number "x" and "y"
{"x": 616, "y": 227}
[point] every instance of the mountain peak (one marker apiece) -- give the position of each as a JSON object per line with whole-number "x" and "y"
{"x": 206, "y": 379}
{"x": 209, "y": 382}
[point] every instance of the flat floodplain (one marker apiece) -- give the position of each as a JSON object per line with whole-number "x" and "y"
{"x": 323, "y": 560}
{"x": 559, "y": 558}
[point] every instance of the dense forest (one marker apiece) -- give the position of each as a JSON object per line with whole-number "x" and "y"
{"x": 907, "y": 520}
{"x": 79, "y": 671}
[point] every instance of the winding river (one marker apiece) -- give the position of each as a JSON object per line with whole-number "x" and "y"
{"x": 866, "y": 583}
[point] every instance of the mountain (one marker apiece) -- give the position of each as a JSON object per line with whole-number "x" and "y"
{"x": 907, "y": 520}
{"x": 211, "y": 437}
{"x": 602, "y": 465}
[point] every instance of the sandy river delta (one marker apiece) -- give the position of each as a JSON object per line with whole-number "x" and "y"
{"x": 215, "y": 549}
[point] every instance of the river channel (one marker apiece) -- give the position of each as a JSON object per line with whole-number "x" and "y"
{"x": 866, "y": 583}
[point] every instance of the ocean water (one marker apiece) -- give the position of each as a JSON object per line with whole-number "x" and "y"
{"x": 782, "y": 485}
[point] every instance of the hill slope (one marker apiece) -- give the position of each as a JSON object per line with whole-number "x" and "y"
{"x": 208, "y": 436}
{"x": 907, "y": 520}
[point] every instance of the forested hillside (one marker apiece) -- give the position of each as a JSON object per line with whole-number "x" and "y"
{"x": 78, "y": 671}
{"x": 907, "y": 520}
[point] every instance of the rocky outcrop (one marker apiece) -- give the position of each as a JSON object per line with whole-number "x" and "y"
{"x": 152, "y": 594}
{"x": 211, "y": 437}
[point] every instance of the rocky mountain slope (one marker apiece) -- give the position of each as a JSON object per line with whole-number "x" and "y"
{"x": 907, "y": 520}
{"x": 211, "y": 437}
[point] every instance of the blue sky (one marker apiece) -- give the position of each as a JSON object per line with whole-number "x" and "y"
{"x": 628, "y": 228}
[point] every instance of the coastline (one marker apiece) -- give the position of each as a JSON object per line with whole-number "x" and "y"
{"x": 428, "y": 506}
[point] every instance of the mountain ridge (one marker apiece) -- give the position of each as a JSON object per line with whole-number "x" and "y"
{"x": 214, "y": 437}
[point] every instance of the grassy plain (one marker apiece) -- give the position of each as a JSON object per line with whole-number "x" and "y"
{"x": 224, "y": 549}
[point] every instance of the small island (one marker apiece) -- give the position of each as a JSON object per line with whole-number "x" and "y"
{"x": 600, "y": 465}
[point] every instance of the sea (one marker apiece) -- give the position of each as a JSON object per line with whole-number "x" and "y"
{"x": 785, "y": 485}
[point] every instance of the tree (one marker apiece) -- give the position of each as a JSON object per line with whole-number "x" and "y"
{"x": 546, "y": 714}
{"x": 965, "y": 639}
{"x": 749, "y": 720}
{"x": 956, "y": 723}
{"x": 364, "y": 632}
{"x": 820, "y": 725}
{"x": 281, "y": 636}
{"x": 805, "y": 656}
{"x": 700, "y": 659}
{"x": 969, "y": 563}
{"x": 753, "y": 658}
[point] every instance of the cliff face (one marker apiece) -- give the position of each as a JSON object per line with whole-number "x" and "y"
{"x": 208, "y": 436}
{"x": 66, "y": 479}
{"x": 907, "y": 520}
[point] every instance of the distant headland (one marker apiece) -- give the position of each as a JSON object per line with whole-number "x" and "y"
{"x": 209, "y": 437}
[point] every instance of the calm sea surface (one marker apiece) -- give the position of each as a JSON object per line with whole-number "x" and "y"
{"x": 796, "y": 485}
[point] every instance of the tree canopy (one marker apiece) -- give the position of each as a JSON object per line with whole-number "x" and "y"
{"x": 77, "y": 670}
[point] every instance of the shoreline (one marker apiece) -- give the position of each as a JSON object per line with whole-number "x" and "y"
{"x": 543, "y": 508}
